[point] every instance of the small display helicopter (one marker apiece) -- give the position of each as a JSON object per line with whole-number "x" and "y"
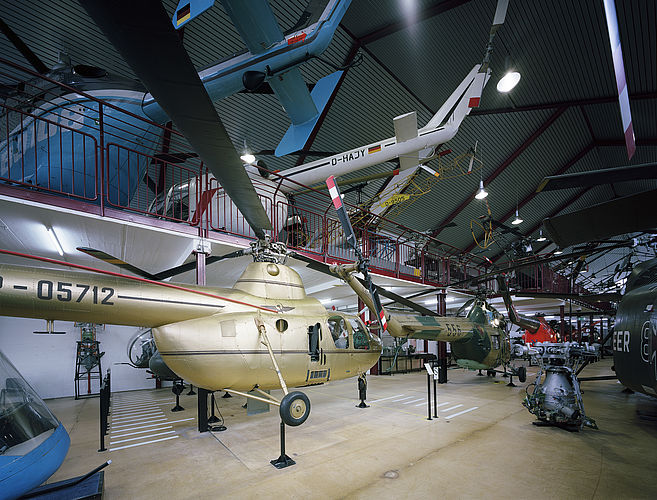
{"x": 479, "y": 340}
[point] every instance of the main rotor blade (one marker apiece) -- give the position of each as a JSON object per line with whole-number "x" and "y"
{"x": 110, "y": 259}
{"x": 597, "y": 177}
{"x": 351, "y": 239}
{"x": 403, "y": 300}
{"x": 628, "y": 214}
{"x": 25, "y": 51}
{"x": 142, "y": 33}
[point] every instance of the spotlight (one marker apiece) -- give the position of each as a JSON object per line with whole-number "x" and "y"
{"x": 508, "y": 81}
{"x": 482, "y": 193}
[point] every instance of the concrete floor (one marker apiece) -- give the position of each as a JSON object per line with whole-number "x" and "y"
{"x": 389, "y": 450}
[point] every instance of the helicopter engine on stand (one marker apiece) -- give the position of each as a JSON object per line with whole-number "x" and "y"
{"x": 557, "y": 399}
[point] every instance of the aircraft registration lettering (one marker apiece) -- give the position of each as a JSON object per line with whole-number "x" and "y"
{"x": 621, "y": 341}
{"x": 453, "y": 329}
{"x": 66, "y": 292}
{"x": 353, "y": 155}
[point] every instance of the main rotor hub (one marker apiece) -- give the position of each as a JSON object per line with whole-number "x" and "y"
{"x": 268, "y": 251}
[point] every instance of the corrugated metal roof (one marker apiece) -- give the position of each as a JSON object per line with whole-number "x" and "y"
{"x": 561, "y": 48}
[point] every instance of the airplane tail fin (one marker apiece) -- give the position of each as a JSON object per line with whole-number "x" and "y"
{"x": 463, "y": 99}
{"x": 298, "y": 134}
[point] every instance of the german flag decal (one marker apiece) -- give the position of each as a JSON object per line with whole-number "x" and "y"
{"x": 183, "y": 15}
{"x": 374, "y": 149}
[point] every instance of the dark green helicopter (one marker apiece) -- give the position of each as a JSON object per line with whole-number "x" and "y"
{"x": 479, "y": 340}
{"x": 635, "y": 333}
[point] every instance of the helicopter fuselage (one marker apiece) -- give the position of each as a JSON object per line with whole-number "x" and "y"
{"x": 208, "y": 335}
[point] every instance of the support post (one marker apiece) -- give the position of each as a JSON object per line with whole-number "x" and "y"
{"x": 213, "y": 418}
{"x": 282, "y": 461}
{"x": 562, "y": 317}
{"x": 442, "y": 346}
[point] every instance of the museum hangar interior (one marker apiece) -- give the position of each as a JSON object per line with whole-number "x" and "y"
{"x": 430, "y": 221}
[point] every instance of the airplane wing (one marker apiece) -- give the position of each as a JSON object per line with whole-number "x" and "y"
{"x": 255, "y": 22}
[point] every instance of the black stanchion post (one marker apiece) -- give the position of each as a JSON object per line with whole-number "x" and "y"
{"x": 429, "y": 396}
{"x": 435, "y": 397}
{"x": 202, "y": 410}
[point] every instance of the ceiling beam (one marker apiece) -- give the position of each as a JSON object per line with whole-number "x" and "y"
{"x": 528, "y": 142}
{"x": 555, "y": 212}
{"x": 531, "y": 196}
{"x": 560, "y": 104}
{"x": 423, "y": 15}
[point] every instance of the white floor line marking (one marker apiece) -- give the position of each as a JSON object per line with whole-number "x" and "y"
{"x": 137, "y": 423}
{"x": 135, "y": 413}
{"x": 421, "y": 404}
{"x": 414, "y": 401}
{"x": 452, "y": 408}
{"x": 442, "y": 404}
{"x": 132, "y": 421}
{"x": 145, "y": 405}
{"x": 181, "y": 420}
{"x": 384, "y": 399}
{"x": 121, "y": 404}
{"x": 141, "y": 437}
{"x": 141, "y": 432}
{"x": 143, "y": 426}
{"x": 144, "y": 400}
{"x": 142, "y": 444}
{"x": 402, "y": 399}
{"x": 462, "y": 412}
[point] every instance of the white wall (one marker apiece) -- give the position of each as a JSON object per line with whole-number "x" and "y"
{"x": 48, "y": 361}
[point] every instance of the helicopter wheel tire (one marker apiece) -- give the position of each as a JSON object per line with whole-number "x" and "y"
{"x": 295, "y": 408}
{"x": 491, "y": 373}
{"x": 522, "y": 374}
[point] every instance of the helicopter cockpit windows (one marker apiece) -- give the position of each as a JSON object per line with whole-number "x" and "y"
{"x": 339, "y": 331}
{"x": 495, "y": 341}
{"x": 361, "y": 335}
{"x": 25, "y": 420}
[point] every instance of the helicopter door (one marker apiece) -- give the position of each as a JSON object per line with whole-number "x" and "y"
{"x": 314, "y": 338}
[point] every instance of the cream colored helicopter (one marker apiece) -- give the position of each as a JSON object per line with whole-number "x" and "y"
{"x": 262, "y": 334}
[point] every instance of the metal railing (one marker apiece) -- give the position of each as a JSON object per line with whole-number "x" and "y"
{"x": 57, "y": 139}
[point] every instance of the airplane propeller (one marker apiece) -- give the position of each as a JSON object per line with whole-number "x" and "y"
{"x": 144, "y": 36}
{"x": 353, "y": 243}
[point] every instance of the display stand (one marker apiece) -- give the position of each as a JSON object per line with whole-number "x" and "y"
{"x": 282, "y": 461}
{"x": 177, "y": 389}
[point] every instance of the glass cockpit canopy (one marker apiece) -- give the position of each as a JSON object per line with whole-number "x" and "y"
{"x": 25, "y": 420}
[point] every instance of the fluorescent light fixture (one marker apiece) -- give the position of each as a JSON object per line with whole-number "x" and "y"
{"x": 482, "y": 193}
{"x": 55, "y": 241}
{"x": 248, "y": 158}
{"x": 541, "y": 237}
{"x": 508, "y": 81}
{"x": 517, "y": 220}
{"x": 558, "y": 252}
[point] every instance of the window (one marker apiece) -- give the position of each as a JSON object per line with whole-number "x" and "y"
{"x": 339, "y": 332}
{"x": 360, "y": 334}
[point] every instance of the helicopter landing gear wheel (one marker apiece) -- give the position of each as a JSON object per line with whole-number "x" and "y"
{"x": 491, "y": 373}
{"x": 522, "y": 374}
{"x": 295, "y": 408}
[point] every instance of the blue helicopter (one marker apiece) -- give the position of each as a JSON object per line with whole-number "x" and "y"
{"x": 66, "y": 130}
{"x": 33, "y": 443}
